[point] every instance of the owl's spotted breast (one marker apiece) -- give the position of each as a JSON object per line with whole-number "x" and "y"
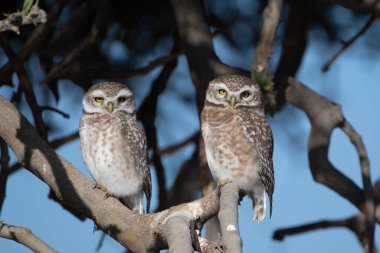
{"x": 231, "y": 153}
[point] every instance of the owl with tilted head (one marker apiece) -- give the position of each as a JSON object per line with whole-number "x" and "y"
{"x": 238, "y": 140}
{"x": 114, "y": 145}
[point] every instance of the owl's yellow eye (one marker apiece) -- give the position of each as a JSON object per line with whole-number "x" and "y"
{"x": 245, "y": 94}
{"x": 98, "y": 99}
{"x": 222, "y": 92}
{"x": 121, "y": 99}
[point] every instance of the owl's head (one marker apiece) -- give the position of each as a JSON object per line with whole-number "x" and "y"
{"x": 108, "y": 97}
{"x": 234, "y": 91}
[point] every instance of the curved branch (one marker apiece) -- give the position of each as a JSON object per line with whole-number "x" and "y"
{"x": 76, "y": 193}
{"x": 324, "y": 117}
{"x": 347, "y": 44}
{"x": 360, "y": 6}
{"x": 25, "y": 237}
{"x": 354, "y": 223}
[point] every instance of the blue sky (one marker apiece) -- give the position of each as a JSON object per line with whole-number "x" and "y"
{"x": 351, "y": 82}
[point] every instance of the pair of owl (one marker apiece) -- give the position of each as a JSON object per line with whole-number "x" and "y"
{"x": 237, "y": 137}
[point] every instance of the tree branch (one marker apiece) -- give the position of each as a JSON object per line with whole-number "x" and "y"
{"x": 354, "y": 223}
{"x": 228, "y": 218}
{"x": 75, "y": 191}
{"x": 347, "y": 44}
{"x": 39, "y": 34}
{"x": 271, "y": 18}
{"x": 324, "y": 117}
{"x": 293, "y": 47}
{"x": 25, "y": 237}
{"x": 178, "y": 234}
{"x": 361, "y": 6}
{"x": 26, "y": 85}
{"x": 54, "y": 145}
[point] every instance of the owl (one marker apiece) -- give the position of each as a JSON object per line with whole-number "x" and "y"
{"x": 238, "y": 140}
{"x": 114, "y": 145}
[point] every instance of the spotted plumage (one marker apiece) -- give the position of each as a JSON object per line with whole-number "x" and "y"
{"x": 238, "y": 139}
{"x": 114, "y": 144}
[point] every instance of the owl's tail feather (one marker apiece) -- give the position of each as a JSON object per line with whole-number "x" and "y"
{"x": 135, "y": 203}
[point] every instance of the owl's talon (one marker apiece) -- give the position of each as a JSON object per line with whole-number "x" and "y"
{"x": 107, "y": 195}
{"x": 223, "y": 182}
{"x": 104, "y": 189}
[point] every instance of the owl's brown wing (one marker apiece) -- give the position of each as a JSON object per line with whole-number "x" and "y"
{"x": 259, "y": 134}
{"x": 136, "y": 138}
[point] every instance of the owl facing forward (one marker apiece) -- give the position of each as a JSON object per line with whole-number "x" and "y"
{"x": 114, "y": 145}
{"x": 238, "y": 139}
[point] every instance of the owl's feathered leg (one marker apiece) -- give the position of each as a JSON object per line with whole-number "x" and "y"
{"x": 259, "y": 203}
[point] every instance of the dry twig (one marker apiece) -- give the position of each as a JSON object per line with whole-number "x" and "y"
{"x": 347, "y": 44}
{"x": 25, "y": 237}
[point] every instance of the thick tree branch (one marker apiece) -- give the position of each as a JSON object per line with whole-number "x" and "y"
{"x": 347, "y": 44}
{"x": 293, "y": 47}
{"x": 324, "y": 117}
{"x": 54, "y": 145}
{"x": 25, "y": 237}
{"x": 178, "y": 234}
{"x": 228, "y": 218}
{"x": 196, "y": 42}
{"x": 140, "y": 233}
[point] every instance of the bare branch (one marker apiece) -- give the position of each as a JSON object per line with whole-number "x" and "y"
{"x": 75, "y": 191}
{"x": 324, "y": 117}
{"x": 280, "y": 234}
{"x": 362, "y": 6}
{"x": 26, "y": 85}
{"x": 354, "y": 223}
{"x": 178, "y": 146}
{"x": 25, "y": 237}
{"x": 228, "y": 218}
{"x": 178, "y": 234}
{"x": 347, "y": 44}
{"x": 271, "y": 18}
{"x": 50, "y": 108}
{"x": 196, "y": 42}
{"x": 293, "y": 47}
{"x": 39, "y": 34}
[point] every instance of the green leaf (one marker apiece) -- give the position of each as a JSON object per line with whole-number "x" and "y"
{"x": 26, "y": 7}
{"x": 264, "y": 81}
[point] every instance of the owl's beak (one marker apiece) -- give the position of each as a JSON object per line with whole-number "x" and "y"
{"x": 110, "y": 107}
{"x": 232, "y": 102}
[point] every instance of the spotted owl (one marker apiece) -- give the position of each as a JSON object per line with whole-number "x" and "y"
{"x": 113, "y": 144}
{"x": 238, "y": 140}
